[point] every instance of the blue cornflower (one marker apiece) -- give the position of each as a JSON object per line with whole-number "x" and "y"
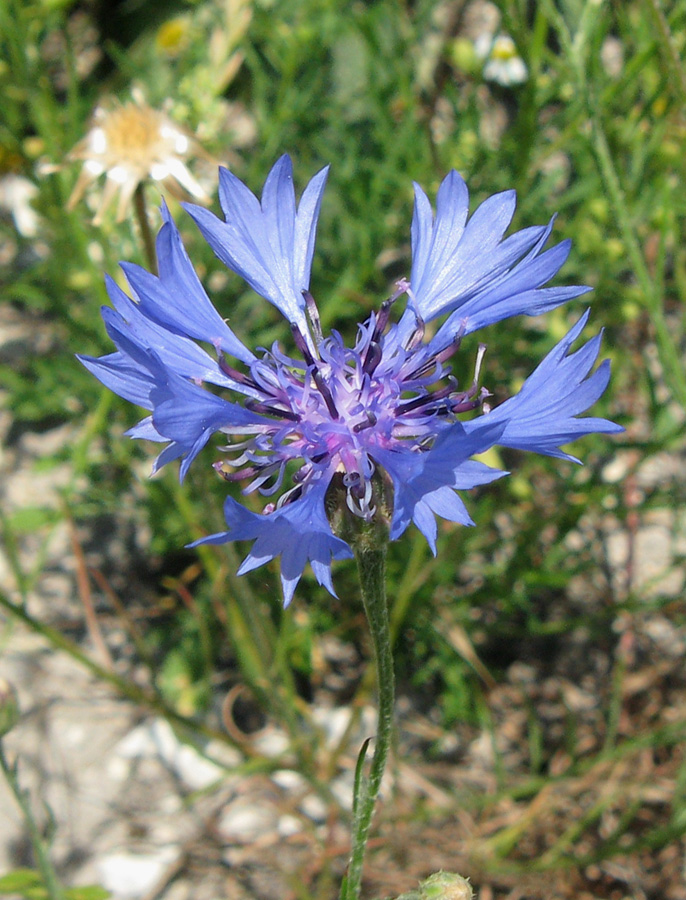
{"x": 388, "y": 404}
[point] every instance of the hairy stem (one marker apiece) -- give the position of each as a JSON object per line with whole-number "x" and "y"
{"x": 371, "y": 563}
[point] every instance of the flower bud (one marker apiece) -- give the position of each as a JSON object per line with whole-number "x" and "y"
{"x": 441, "y": 886}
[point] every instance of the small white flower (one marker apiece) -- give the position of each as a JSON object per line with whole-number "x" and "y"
{"x": 502, "y": 63}
{"x": 16, "y": 194}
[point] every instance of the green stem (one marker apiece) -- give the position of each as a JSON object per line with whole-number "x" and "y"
{"x": 371, "y": 564}
{"x": 144, "y": 223}
{"x": 53, "y": 887}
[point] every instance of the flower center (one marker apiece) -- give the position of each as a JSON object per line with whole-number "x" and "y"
{"x": 334, "y": 411}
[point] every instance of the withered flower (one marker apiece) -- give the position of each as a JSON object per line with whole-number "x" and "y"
{"x": 129, "y": 143}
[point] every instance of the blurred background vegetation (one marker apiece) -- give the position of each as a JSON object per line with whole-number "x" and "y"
{"x": 564, "y": 567}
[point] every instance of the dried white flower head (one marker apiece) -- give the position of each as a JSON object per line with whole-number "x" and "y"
{"x": 502, "y": 63}
{"x": 128, "y": 144}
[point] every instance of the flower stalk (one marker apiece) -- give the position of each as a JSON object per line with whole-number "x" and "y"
{"x": 370, "y": 555}
{"x": 147, "y": 238}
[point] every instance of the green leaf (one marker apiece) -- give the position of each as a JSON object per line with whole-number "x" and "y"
{"x": 25, "y": 882}
{"x": 87, "y": 892}
{"x": 359, "y": 784}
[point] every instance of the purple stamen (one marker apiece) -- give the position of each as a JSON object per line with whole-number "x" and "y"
{"x": 240, "y": 377}
{"x": 301, "y": 344}
{"x": 370, "y": 422}
{"x": 417, "y": 335}
{"x": 240, "y": 475}
{"x": 269, "y": 409}
{"x": 325, "y": 392}
{"x": 372, "y": 358}
{"x": 428, "y": 400}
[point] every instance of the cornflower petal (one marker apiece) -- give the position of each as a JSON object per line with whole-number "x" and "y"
{"x": 436, "y": 245}
{"x": 467, "y": 269}
{"x": 542, "y": 416}
{"x": 121, "y": 375}
{"x": 518, "y": 292}
{"x": 298, "y": 532}
{"x": 183, "y": 413}
{"x": 145, "y": 430}
{"x": 188, "y": 415}
{"x": 181, "y": 354}
{"x": 423, "y": 483}
{"x": 176, "y": 300}
{"x": 269, "y": 244}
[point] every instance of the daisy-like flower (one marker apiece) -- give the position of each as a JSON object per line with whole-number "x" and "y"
{"x": 386, "y": 407}
{"x": 128, "y": 144}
